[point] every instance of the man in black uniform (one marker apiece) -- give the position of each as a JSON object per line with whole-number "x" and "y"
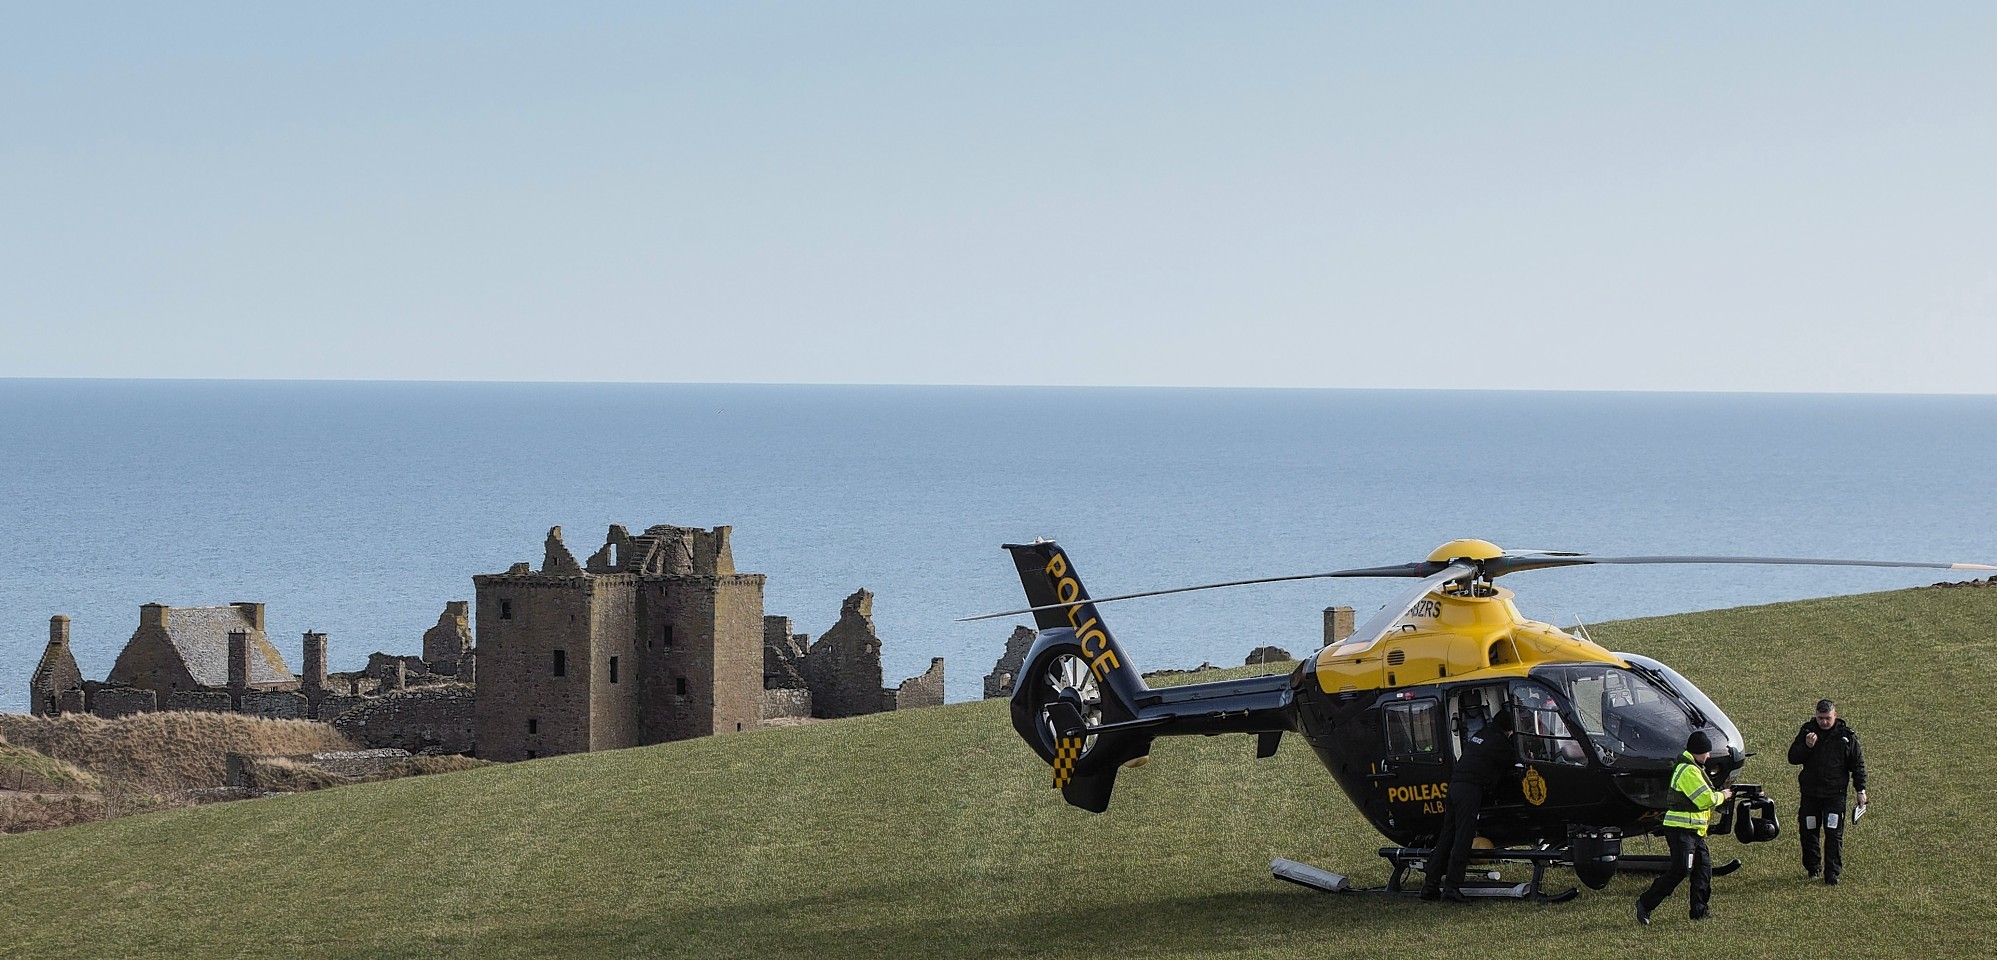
{"x": 1828, "y": 751}
{"x": 1488, "y": 755}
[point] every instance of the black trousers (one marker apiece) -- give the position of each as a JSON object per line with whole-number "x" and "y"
{"x": 1825, "y": 814}
{"x": 1689, "y": 857}
{"x": 1459, "y": 831}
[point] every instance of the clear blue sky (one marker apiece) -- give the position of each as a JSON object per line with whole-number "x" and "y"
{"x": 1600, "y": 196}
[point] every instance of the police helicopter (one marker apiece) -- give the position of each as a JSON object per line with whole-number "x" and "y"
{"x": 1388, "y": 708}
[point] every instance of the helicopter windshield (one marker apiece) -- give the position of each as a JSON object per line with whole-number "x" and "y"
{"x": 1623, "y": 713}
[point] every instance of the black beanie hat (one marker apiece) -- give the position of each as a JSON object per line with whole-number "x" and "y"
{"x": 1698, "y": 743}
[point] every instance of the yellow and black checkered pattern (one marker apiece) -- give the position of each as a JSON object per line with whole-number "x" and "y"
{"x": 1066, "y": 751}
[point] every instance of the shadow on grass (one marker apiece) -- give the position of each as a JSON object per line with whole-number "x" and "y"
{"x": 872, "y": 924}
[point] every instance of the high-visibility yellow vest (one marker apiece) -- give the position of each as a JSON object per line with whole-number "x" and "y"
{"x": 1692, "y": 797}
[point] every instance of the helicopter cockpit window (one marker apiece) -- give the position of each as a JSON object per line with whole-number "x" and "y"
{"x": 1411, "y": 728}
{"x": 1621, "y": 712}
{"x": 1542, "y": 733}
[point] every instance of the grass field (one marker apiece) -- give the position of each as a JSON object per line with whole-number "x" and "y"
{"x": 932, "y": 833}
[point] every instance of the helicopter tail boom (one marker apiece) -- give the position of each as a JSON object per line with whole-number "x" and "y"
{"x": 1081, "y": 704}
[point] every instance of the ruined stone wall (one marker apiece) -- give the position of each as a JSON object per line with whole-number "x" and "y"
{"x": 276, "y": 704}
{"x": 114, "y": 702}
{"x": 434, "y": 719}
{"x": 395, "y": 670}
{"x": 843, "y": 668}
{"x": 712, "y": 554}
{"x": 921, "y": 691}
{"x": 206, "y": 701}
{"x": 451, "y": 638}
{"x": 524, "y": 709}
{"x": 333, "y": 707}
{"x": 786, "y": 704}
{"x": 783, "y": 655}
{"x": 1005, "y": 673}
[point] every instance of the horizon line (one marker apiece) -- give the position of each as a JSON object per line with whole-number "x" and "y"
{"x": 1696, "y": 391}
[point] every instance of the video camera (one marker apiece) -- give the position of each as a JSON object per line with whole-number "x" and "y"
{"x": 1750, "y": 816}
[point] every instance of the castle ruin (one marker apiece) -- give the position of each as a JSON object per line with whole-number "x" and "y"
{"x": 655, "y": 638}
{"x": 658, "y": 637}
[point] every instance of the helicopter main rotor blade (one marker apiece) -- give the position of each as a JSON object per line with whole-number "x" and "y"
{"x": 1499, "y": 566}
{"x": 1382, "y": 623}
{"x": 1422, "y": 569}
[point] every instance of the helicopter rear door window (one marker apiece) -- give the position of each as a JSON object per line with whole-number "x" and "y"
{"x": 1411, "y": 728}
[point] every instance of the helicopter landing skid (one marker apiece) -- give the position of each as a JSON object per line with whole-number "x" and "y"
{"x": 1410, "y": 858}
{"x": 1645, "y": 863}
{"x": 1404, "y": 859}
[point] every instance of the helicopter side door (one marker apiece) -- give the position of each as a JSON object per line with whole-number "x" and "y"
{"x": 1412, "y": 774}
{"x": 1557, "y": 770}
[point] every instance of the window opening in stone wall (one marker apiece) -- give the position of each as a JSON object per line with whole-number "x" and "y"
{"x": 505, "y": 609}
{"x": 561, "y": 663}
{"x": 666, "y": 637}
{"x": 680, "y": 685}
{"x": 530, "y": 754}
{"x": 738, "y": 728}
{"x": 533, "y": 724}
{"x": 613, "y": 669}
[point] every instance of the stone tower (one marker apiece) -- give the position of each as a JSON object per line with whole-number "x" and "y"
{"x": 657, "y": 638}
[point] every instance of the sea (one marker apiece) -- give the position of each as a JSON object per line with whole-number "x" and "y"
{"x": 359, "y": 508}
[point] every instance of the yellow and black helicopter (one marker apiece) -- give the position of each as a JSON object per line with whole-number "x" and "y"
{"x": 1387, "y": 710}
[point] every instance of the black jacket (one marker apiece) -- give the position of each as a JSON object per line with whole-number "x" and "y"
{"x": 1487, "y": 756}
{"x": 1827, "y": 765}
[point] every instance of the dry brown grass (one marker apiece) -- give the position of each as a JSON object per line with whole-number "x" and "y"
{"x": 160, "y": 753}
{"x": 68, "y": 770}
{"x": 279, "y": 775}
{"x": 418, "y": 766}
{"x": 22, "y": 812}
{"x": 33, "y": 772}
{"x": 287, "y": 775}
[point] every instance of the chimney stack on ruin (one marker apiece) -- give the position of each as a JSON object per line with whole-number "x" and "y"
{"x": 153, "y": 615}
{"x": 58, "y": 631}
{"x": 313, "y": 680}
{"x": 1337, "y": 624}
{"x": 239, "y": 667}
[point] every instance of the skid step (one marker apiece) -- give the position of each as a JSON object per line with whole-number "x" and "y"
{"x": 1305, "y": 875}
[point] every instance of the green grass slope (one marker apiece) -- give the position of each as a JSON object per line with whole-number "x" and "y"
{"x": 932, "y": 833}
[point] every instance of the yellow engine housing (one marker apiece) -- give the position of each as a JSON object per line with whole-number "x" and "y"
{"x": 1455, "y": 636}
